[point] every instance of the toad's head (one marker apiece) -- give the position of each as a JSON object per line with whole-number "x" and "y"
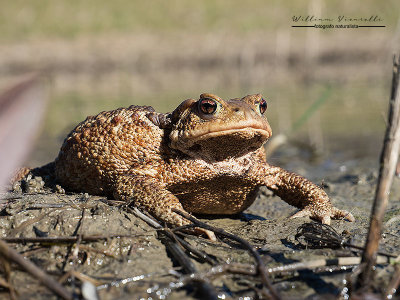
{"x": 213, "y": 129}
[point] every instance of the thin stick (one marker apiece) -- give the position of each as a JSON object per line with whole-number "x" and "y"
{"x": 148, "y": 220}
{"x": 204, "y": 289}
{"x": 250, "y": 270}
{"x": 388, "y": 160}
{"x": 170, "y": 240}
{"x": 35, "y": 271}
{"x": 7, "y": 275}
{"x": 200, "y": 254}
{"x": 65, "y": 239}
{"x": 260, "y": 264}
{"x": 393, "y": 284}
{"x": 83, "y": 277}
{"x": 193, "y": 251}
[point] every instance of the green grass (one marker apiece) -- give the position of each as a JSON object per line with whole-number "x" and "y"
{"x": 351, "y": 110}
{"x": 347, "y": 109}
{"x": 51, "y": 18}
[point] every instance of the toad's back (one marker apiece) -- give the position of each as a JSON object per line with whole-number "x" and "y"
{"x": 104, "y": 146}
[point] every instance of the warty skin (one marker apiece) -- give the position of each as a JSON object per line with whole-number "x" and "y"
{"x": 205, "y": 157}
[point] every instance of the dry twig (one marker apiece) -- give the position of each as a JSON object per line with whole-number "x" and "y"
{"x": 35, "y": 271}
{"x": 260, "y": 264}
{"x": 394, "y": 284}
{"x": 65, "y": 239}
{"x": 250, "y": 270}
{"x": 204, "y": 289}
{"x": 172, "y": 242}
{"x": 200, "y": 254}
{"x": 7, "y": 283}
{"x": 388, "y": 160}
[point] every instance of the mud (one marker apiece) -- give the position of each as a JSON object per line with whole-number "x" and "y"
{"x": 137, "y": 264}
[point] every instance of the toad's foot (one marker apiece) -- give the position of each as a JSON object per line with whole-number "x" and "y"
{"x": 297, "y": 191}
{"x": 324, "y": 216}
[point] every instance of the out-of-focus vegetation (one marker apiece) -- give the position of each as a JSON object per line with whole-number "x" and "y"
{"x": 48, "y": 18}
{"x": 100, "y": 55}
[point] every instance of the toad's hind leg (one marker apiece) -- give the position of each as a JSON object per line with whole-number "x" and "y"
{"x": 148, "y": 193}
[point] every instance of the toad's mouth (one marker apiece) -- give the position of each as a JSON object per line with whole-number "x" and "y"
{"x": 221, "y": 142}
{"x": 263, "y": 132}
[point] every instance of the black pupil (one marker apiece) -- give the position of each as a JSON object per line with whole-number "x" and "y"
{"x": 208, "y": 106}
{"x": 263, "y": 106}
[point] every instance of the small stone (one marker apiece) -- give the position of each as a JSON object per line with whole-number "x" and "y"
{"x": 372, "y": 176}
{"x": 345, "y": 233}
{"x": 59, "y": 189}
{"x": 327, "y": 186}
{"x": 85, "y": 197}
{"x": 17, "y": 187}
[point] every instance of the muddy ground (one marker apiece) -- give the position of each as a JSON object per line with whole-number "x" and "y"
{"x": 139, "y": 266}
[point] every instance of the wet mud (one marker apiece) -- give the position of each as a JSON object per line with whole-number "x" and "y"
{"x": 130, "y": 260}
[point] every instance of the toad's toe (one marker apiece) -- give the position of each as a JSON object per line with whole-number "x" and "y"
{"x": 302, "y": 213}
{"x": 324, "y": 216}
{"x": 342, "y": 214}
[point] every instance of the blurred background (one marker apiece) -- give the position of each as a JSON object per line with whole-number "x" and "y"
{"x": 326, "y": 89}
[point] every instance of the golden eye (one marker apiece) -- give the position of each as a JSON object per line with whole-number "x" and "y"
{"x": 207, "y": 106}
{"x": 263, "y": 106}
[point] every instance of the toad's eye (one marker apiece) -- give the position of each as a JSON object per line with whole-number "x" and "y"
{"x": 207, "y": 106}
{"x": 263, "y": 106}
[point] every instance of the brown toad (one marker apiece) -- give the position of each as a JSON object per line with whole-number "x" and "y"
{"x": 205, "y": 157}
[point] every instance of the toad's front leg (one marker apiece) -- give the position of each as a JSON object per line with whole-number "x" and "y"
{"x": 301, "y": 193}
{"x": 148, "y": 193}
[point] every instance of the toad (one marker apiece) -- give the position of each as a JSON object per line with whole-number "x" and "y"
{"x": 206, "y": 157}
